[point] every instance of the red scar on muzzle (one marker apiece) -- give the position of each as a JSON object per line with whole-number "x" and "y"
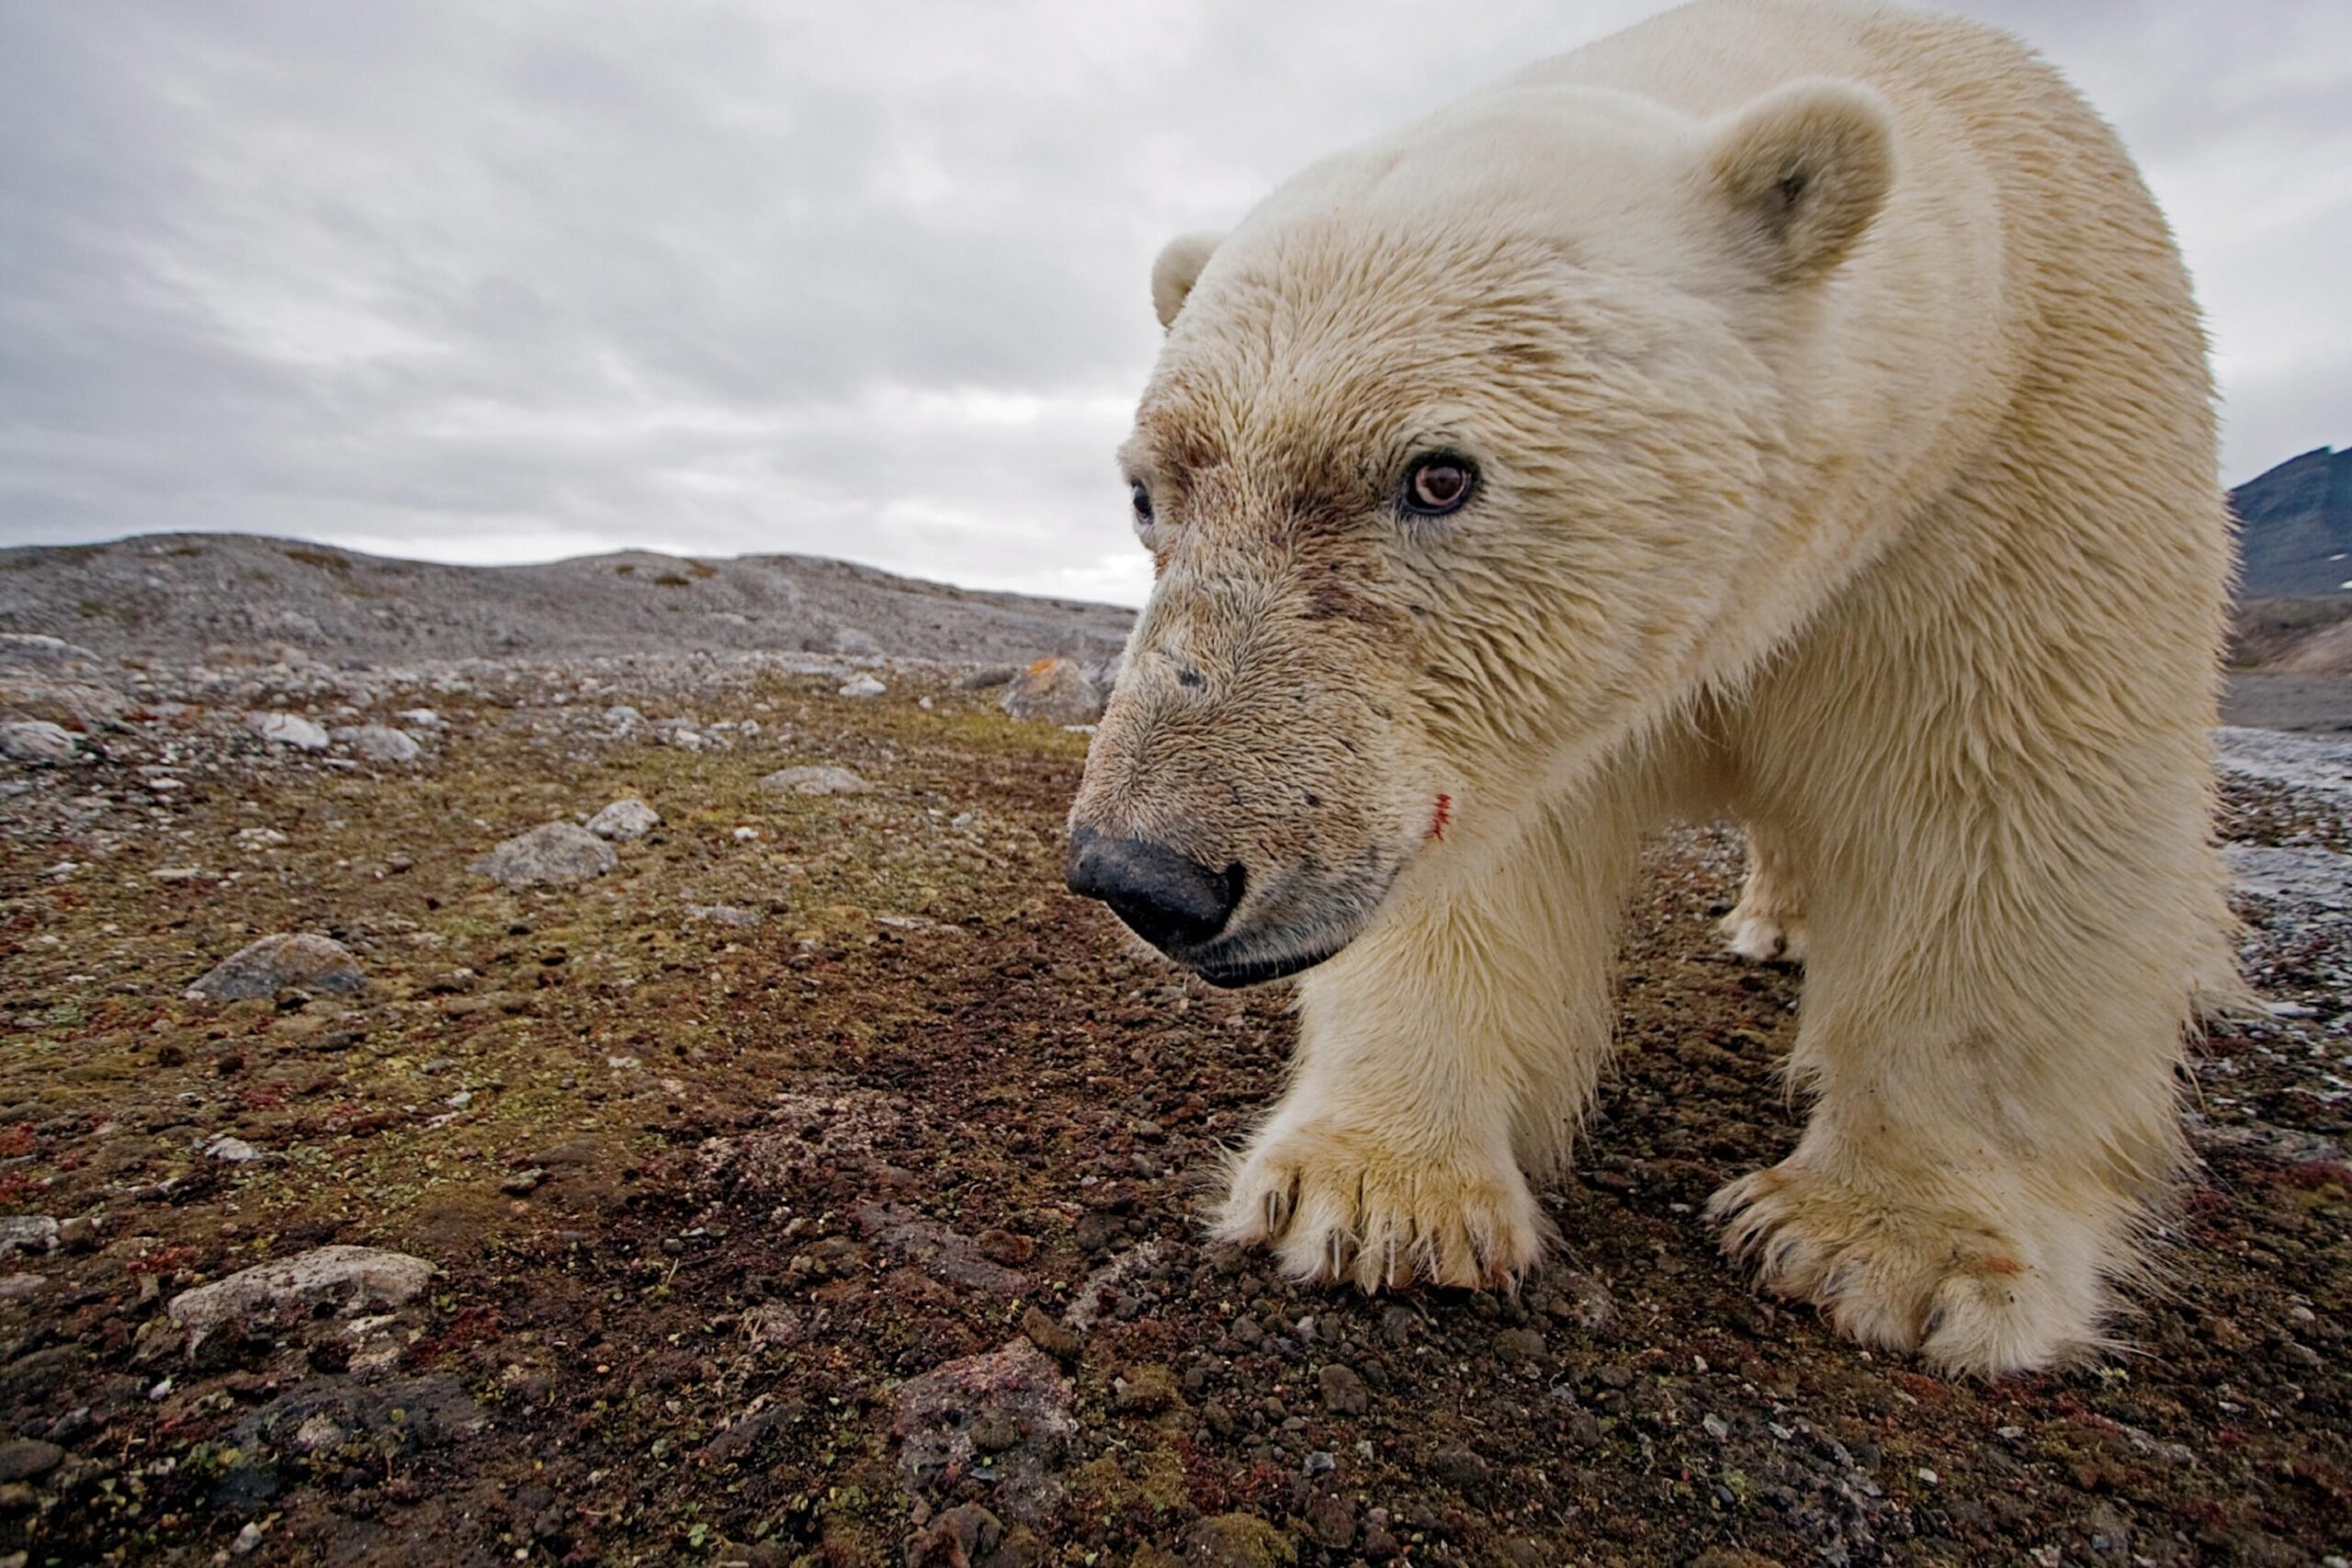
{"x": 1440, "y": 816}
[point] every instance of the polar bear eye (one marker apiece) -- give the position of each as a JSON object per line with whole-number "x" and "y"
{"x": 1439, "y": 484}
{"x": 1139, "y": 498}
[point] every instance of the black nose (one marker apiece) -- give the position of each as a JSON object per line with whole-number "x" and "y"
{"x": 1171, "y": 902}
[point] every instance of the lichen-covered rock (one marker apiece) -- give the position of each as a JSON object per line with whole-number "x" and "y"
{"x": 288, "y": 961}
{"x": 553, "y": 853}
{"x": 625, "y": 819}
{"x": 26, "y": 1233}
{"x": 814, "y": 781}
{"x": 1056, "y": 689}
{"x": 1016, "y": 1387}
{"x": 348, "y": 1280}
{"x": 290, "y": 729}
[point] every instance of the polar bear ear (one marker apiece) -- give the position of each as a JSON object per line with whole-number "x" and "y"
{"x": 1177, "y": 268}
{"x": 1809, "y": 164}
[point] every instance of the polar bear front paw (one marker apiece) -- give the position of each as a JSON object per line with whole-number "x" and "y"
{"x": 1970, "y": 1297}
{"x": 1764, "y": 936}
{"x": 1336, "y": 1205}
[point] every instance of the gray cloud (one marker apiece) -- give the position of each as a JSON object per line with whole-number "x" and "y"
{"x": 499, "y": 282}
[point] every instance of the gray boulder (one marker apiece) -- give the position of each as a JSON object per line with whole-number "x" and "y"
{"x": 295, "y": 961}
{"x": 382, "y": 743}
{"x": 554, "y": 853}
{"x": 349, "y": 1279}
{"x": 625, "y": 819}
{"x": 287, "y": 729}
{"x": 36, "y": 741}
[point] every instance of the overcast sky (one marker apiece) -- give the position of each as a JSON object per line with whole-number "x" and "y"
{"x": 513, "y": 281}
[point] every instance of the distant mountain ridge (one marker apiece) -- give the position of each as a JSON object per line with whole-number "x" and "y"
{"x": 2297, "y": 526}
{"x": 177, "y": 595}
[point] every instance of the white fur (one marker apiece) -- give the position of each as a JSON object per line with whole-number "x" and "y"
{"x": 1848, "y": 464}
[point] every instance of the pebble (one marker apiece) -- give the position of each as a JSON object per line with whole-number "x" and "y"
{"x": 1458, "y": 1467}
{"x": 814, "y": 781}
{"x": 27, "y": 1458}
{"x": 552, "y": 854}
{"x": 723, "y": 915}
{"x": 864, "y": 686}
{"x": 286, "y": 961}
{"x": 1343, "y": 1390}
{"x": 233, "y": 1151}
{"x": 625, "y": 819}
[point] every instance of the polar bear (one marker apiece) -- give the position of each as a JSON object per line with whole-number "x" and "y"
{"x": 1791, "y": 408}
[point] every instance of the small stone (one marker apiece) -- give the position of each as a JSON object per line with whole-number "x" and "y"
{"x": 553, "y": 853}
{"x": 999, "y": 1245}
{"x": 522, "y": 1183}
{"x": 814, "y": 781}
{"x": 248, "y": 1541}
{"x": 287, "y": 729}
{"x": 1332, "y": 1521}
{"x": 1459, "y": 1468}
{"x": 1344, "y": 1393}
{"x": 1061, "y": 1343}
{"x": 231, "y": 1151}
{"x": 288, "y": 961}
{"x": 27, "y": 1458}
{"x": 1397, "y": 1324}
{"x": 986, "y": 678}
{"x": 16, "y": 1287}
{"x": 1056, "y": 689}
{"x": 625, "y": 819}
{"x": 864, "y": 686}
{"x": 423, "y": 718}
{"x": 723, "y": 915}
{"x": 957, "y": 1539}
{"x": 1519, "y": 1344}
{"x": 382, "y": 743}
{"x": 319, "y": 1432}
{"x": 36, "y": 741}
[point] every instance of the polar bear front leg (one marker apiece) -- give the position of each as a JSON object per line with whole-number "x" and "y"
{"x": 1768, "y": 925}
{"x": 1991, "y": 1048}
{"x": 1446, "y": 1055}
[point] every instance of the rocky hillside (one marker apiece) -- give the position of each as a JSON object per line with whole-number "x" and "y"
{"x": 2298, "y": 526}
{"x": 181, "y": 595}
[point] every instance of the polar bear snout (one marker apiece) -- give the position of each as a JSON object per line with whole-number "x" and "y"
{"x": 1169, "y": 899}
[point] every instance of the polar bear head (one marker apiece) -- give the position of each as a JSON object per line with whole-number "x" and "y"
{"x": 1449, "y": 471}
